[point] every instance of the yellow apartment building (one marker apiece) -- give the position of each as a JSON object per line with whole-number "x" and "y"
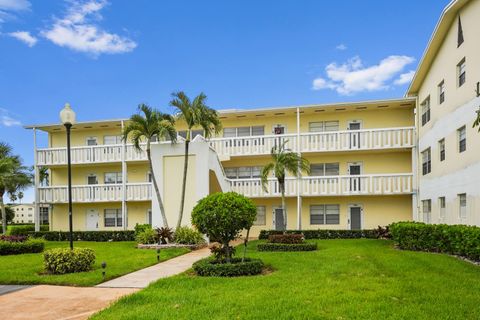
{"x": 361, "y": 157}
{"x": 446, "y": 86}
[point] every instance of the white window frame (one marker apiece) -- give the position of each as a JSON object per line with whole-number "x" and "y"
{"x": 461, "y": 69}
{"x": 427, "y": 161}
{"x": 441, "y": 92}
{"x": 462, "y": 132}
{"x": 425, "y": 110}
{"x": 259, "y": 220}
{"x": 441, "y": 147}
{"x": 118, "y": 217}
{"x": 462, "y": 206}
{"x": 427, "y": 210}
{"x": 323, "y": 208}
{"x": 118, "y": 177}
{"x": 442, "y": 204}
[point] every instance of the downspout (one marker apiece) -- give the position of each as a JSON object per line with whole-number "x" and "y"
{"x": 299, "y": 175}
{"x": 124, "y": 182}
{"x": 36, "y": 182}
{"x": 415, "y": 160}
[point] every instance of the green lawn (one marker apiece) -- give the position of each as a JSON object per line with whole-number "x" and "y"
{"x": 344, "y": 279}
{"x": 121, "y": 258}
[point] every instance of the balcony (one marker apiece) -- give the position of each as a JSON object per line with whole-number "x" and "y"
{"x": 89, "y": 154}
{"x": 349, "y": 140}
{"x": 385, "y": 184}
{"x": 96, "y": 193}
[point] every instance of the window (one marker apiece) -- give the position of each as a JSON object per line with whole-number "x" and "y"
{"x": 112, "y": 139}
{"x": 325, "y": 214}
{"x": 113, "y": 177}
{"x": 243, "y": 172}
{"x": 441, "y": 92}
{"x": 183, "y": 133}
{"x": 460, "y": 38}
{"x": 325, "y": 169}
{"x": 149, "y": 216}
{"x": 462, "y": 139}
{"x": 441, "y": 206}
{"x": 322, "y": 126}
{"x": 426, "y": 209}
{"x": 461, "y": 71}
{"x": 261, "y": 218}
{"x": 426, "y": 162}
{"x": 243, "y": 131}
{"x": 113, "y": 217}
{"x": 441, "y": 148}
{"x": 463, "y": 205}
{"x": 91, "y": 141}
{"x": 425, "y": 111}
{"x": 92, "y": 179}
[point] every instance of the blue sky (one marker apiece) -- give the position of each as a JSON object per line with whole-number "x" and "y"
{"x": 105, "y": 57}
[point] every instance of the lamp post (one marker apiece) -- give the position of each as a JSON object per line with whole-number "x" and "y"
{"x": 67, "y": 117}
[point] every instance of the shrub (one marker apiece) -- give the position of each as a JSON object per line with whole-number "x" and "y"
{"x": 219, "y": 268}
{"x": 65, "y": 260}
{"x": 147, "y": 236}
{"x": 164, "y": 235}
{"x": 186, "y": 235}
{"x": 459, "y": 240}
{"x": 100, "y": 236}
{"x": 17, "y": 247}
{"x": 141, "y": 227}
{"x": 323, "y": 234}
{"x": 307, "y": 246}
{"x": 24, "y": 230}
{"x": 13, "y": 238}
{"x": 286, "y": 238}
{"x": 222, "y": 216}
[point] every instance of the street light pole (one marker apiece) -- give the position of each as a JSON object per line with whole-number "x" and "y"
{"x": 67, "y": 116}
{"x": 68, "y": 126}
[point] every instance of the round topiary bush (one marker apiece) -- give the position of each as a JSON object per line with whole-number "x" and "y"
{"x": 64, "y": 260}
{"x": 272, "y": 246}
{"x": 222, "y": 216}
{"x": 209, "y": 267}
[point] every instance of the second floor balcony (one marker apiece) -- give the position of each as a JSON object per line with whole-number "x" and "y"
{"x": 96, "y": 193}
{"x": 374, "y": 184}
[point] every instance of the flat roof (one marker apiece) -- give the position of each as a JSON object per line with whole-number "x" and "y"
{"x": 402, "y": 102}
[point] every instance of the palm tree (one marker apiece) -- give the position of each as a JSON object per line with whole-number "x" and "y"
{"x": 43, "y": 175}
{"x": 14, "y": 177}
{"x": 145, "y": 126}
{"x": 195, "y": 114}
{"x": 284, "y": 160}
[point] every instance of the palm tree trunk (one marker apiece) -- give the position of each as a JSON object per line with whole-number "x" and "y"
{"x": 155, "y": 186}
{"x": 184, "y": 184}
{"x": 4, "y": 215}
{"x": 282, "y": 190}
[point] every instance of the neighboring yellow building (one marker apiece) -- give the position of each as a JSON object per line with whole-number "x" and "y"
{"x": 360, "y": 155}
{"x": 446, "y": 86}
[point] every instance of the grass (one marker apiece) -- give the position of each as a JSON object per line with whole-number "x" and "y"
{"x": 344, "y": 279}
{"x": 121, "y": 258}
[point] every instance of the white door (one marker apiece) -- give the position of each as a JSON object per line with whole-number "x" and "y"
{"x": 92, "y": 220}
{"x": 355, "y": 169}
{"x": 354, "y": 136}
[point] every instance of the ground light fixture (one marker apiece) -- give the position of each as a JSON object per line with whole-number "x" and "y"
{"x": 158, "y": 255}
{"x": 67, "y": 117}
{"x": 104, "y": 267}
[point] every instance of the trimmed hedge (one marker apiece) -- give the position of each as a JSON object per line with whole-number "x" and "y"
{"x": 458, "y": 240}
{"x": 65, "y": 260}
{"x": 291, "y": 238}
{"x": 209, "y": 267}
{"x": 99, "y": 236}
{"x": 307, "y": 246}
{"x": 323, "y": 234}
{"x": 17, "y": 247}
{"x": 24, "y": 230}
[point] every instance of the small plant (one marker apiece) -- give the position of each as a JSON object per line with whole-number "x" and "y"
{"x": 64, "y": 260}
{"x": 141, "y": 227}
{"x": 383, "y": 232}
{"x": 186, "y": 235}
{"x": 164, "y": 235}
{"x": 147, "y": 236}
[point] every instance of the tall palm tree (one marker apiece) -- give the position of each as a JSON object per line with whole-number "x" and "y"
{"x": 283, "y": 161}
{"x": 14, "y": 177}
{"x": 145, "y": 126}
{"x": 195, "y": 114}
{"x": 43, "y": 176}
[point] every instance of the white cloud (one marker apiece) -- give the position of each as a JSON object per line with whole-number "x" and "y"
{"x": 341, "y": 47}
{"x": 8, "y": 7}
{"x": 25, "y": 37}
{"x": 7, "y": 120}
{"x": 78, "y": 32}
{"x": 353, "y": 77}
{"x": 405, "y": 78}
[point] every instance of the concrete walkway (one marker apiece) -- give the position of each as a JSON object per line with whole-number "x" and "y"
{"x": 142, "y": 278}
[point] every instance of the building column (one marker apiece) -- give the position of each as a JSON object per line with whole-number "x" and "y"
{"x": 415, "y": 161}
{"x": 124, "y": 184}
{"x": 299, "y": 176}
{"x": 36, "y": 213}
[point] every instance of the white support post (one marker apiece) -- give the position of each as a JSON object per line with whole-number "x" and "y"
{"x": 124, "y": 184}
{"x": 36, "y": 214}
{"x": 415, "y": 206}
{"x": 299, "y": 176}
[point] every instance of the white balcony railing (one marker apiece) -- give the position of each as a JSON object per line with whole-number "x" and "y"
{"x": 96, "y": 193}
{"x": 328, "y": 186}
{"x": 349, "y": 140}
